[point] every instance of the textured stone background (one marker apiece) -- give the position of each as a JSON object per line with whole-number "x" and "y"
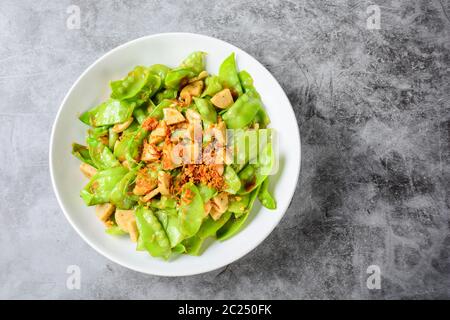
{"x": 373, "y": 110}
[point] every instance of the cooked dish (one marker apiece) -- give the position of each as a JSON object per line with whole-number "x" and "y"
{"x": 176, "y": 156}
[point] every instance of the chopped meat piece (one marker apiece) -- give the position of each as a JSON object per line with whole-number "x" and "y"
{"x": 87, "y": 170}
{"x": 120, "y": 127}
{"x": 150, "y": 195}
{"x": 104, "y": 211}
{"x": 172, "y": 116}
{"x": 222, "y": 99}
{"x": 150, "y": 124}
{"x": 150, "y": 152}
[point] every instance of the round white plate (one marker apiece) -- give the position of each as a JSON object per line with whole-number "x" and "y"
{"x": 92, "y": 87}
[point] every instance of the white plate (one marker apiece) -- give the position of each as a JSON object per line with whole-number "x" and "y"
{"x": 92, "y": 87}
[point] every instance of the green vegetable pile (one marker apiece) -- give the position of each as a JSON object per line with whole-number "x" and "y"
{"x": 136, "y": 181}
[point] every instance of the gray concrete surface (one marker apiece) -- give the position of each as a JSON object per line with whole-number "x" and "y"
{"x": 373, "y": 111}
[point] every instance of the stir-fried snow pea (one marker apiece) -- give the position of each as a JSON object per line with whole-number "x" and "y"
{"x": 98, "y": 132}
{"x": 163, "y": 203}
{"x": 191, "y": 210}
{"x": 115, "y": 231}
{"x": 112, "y": 138}
{"x": 265, "y": 197}
{"x": 101, "y": 155}
{"x": 166, "y": 94}
{"x": 157, "y": 111}
{"x": 254, "y": 174}
{"x": 206, "y": 192}
{"x": 82, "y": 153}
{"x": 242, "y": 112}
{"x": 235, "y": 224}
{"x": 247, "y": 84}
{"x": 131, "y": 84}
{"x": 121, "y": 147}
{"x": 152, "y": 236}
{"x": 238, "y": 205}
{"x": 160, "y": 70}
{"x": 212, "y": 86}
{"x": 99, "y": 188}
{"x": 108, "y": 113}
{"x": 193, "y": 245}
{"x": 175, "y": 76}
{"x": 134, "y": 145}
{"x": 121, "y": 195}
{"x": 228, "y": 75}
{"x": 195, "y": 61}
{"x": 169, "y": 220}
{"x": 232, "y": 180}
{"x": 206, "y": 110}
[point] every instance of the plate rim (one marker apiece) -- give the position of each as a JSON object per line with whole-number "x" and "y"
{"x": 106, "y": 254}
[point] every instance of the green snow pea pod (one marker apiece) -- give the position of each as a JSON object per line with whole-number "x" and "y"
{"x": 115, "y": 231}
{"x": 206, "y": 110}
{"x": 253, "y": 175}
{"x": 82, "y": 153}
{"x": 112, "y": 138}
{"x": 121, "y": 147}
{"x": 152, "y": 236}
{"x": 129, "y": 86}
{"x": 157, "y": 111}
{"x": 239, "y": 204}
{"x": 264, "y": 196}
{"x": 229, "y": 76}
{"x": 206, "y": 192}
{"x": 169, "y": 221}
{"x": 109, "y": 112}
{"x": 247, "y": 84}
{"x": 179, "y": 248}
{"x": 101, "y": 155}
{"x": 208, "y": 229}
{"x": 151, "y": 87}
{"x": 140, "y": 114}
{"x": 122, "y": 196}
{"x": 99, "y": 188}
{"x": 163, "y": 203}
{"x": 242, "y": 112}
{"x": 212, "y": 86}
{"x": 191, "y": 210}
{"x": 234, "y": 225}
{"x": 160, "y": 70}
{"x": 175, "y": 76}
{"x": 166, "y": 94}
{"x": 134, "y": 145}
{"x": 98, "y": 132}
{"x": 195, "y": 61}
{"x": 231, "y": 180}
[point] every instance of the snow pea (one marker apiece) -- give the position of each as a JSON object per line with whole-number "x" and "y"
{"x": 169, "y": 221}
{"x": 152, "y": 236}
{"x": 157, "y": 111}
{"x": 239, "y": 204}
{"x": 101, "y": 155}
{"x": 160, "y": 70}
{"x": 191, "y": 210}
{"x": 112, "y": 138}
{"x": 130, "y": 86}
{"x": 206, "y": 192}
{"x": 264, "y": 196}
{"x": 121, "y": 196}
{"x": 163, "y": 203}
{"x": 206, "y": 110}
{"x": 115, "y": 231}
{"x": 247, "y": 84}
{"x": 99, "y": 188}
{"x": 235, "y": 224}
{"x": 134, "y": 145}
{"x": 242, "y": 112}
{"x": 212, "y": 86}
{"x": 229, "y": 76}
{"x": 82, "y": 153}
{"x": 166, "y": 94}
{"x": 109, "y": 112}
{"x": 231, "y": 180}
{"x": 193, "y": 245}
{"x": 253, "y": 175}
{"x": 175, "y": 76}
{"x": 195, "y": 61}
{"x": 121, "y": 147}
